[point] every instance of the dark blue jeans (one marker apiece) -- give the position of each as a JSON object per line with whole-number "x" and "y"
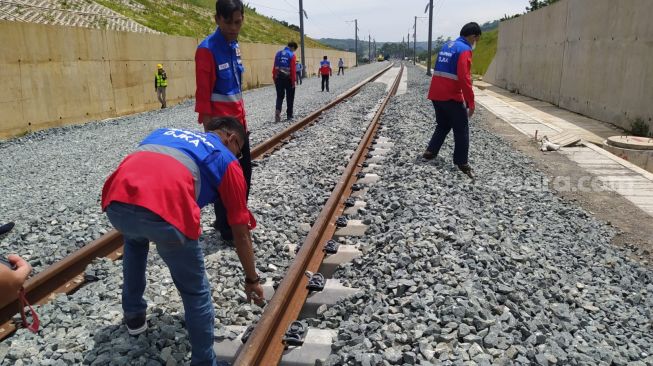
{"x": 451, "y": 115}
{"x": 185, "y": 260}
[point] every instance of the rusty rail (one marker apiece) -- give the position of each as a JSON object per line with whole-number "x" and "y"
{"x": 62, "y": 277}
{"x": 66, "y": 275}
{"x": 264, "y": 346}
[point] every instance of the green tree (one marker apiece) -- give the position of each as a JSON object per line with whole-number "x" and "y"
{"x": 537, "y": 4}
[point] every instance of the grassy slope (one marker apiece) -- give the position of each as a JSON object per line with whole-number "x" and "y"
{"x": 194, "y": 18}
{"x": 484, "y": 52}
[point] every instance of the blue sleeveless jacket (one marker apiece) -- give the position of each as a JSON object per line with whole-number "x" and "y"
{"x": 202, "y": 153}
{"x": 447, "y": 62}
{"x": 282, "y": 61}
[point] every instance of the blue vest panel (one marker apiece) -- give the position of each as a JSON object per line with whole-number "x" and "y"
{"x": 283, "y": 59}
{"x": 446, "y": 64}
{"x": 206, "y": 151}
{"x": 228, "y": 64}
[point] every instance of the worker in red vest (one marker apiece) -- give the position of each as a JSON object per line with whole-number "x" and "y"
{"x": 325, "y": 71}
{"x": 452, "y": 96}
{"x": 284, "y": 73}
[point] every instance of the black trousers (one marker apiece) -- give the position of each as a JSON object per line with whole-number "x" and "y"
{"x": 451, "y": 115}
{"x": 341, "y": 68}
{"x": 325, "y": 80}
{"x": 221, "y": 223}
{"x": 284, "y": 86}
{"x": 299, "y": 77}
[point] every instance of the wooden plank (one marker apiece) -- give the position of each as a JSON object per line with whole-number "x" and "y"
{"x": 565, "y": 138}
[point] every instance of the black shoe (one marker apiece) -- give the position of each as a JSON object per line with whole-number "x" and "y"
{"x": 289, "y": 117}
{"x": 227, "y": 236}
{"x": 467, "y": 170}
{"x": 6, "y": 228}
{"x": 428, "y": 155}
{"x": 136, "y": 325}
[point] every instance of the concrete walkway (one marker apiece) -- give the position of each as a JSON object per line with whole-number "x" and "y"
{"x": 554, "y": 118}
{"x": 528, "y": 116}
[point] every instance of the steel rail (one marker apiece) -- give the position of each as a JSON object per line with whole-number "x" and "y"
{"x": 62, "y": 277}
{"x": 268, "y": 145}
{"x": 66, "y": 275}
{"x": 264, "y": 346}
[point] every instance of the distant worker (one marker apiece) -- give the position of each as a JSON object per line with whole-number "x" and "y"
{"x": 156, "y": 195}
{"x": 218, "y": 76}
{"x": 284, "y": 73}
{"x": 299, "y": 67}
{"x": 341, "y": 66}
{"x": 325, "y": 71}
{"x": 451, "y": 89}
{"x": 160, "y": 84}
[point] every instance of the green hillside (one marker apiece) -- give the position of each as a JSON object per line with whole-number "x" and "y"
{"x": 194, "y": 18}
{"x": 485, "y": 50}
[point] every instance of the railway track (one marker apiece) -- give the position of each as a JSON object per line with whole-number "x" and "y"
{"x": 266, "y": 344}
{"x": 67, "y": 275}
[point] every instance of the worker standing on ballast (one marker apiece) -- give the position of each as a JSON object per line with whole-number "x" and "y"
{"x": 218, "y": 76}
{"x": 325, "y": 72}
{"x": 160, "y": 84}
{"x": 284, "y": 74}
{"x": 452, "y": 96}
{"x": 300, "y": 69}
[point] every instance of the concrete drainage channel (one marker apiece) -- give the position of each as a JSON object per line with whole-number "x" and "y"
{"x": 307, "y": 289}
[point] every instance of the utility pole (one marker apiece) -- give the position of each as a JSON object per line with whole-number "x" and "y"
{"x": 375, "y": 48}
{"x": 356, "y": 39}
{"x": 408, "y": 45}
{"x": 415, "y": 42}
{"x": 369, "y": 47}
{"x": 403, "y": 45}
{"x": 430, "y": 62}
{"x": 301, "y": 32}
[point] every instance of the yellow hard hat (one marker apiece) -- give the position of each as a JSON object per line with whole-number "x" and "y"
{"x": 159, "y": 66}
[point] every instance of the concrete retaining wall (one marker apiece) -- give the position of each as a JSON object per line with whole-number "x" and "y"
{"x": 55, "y": 75}
{"x": 592, "y": 57}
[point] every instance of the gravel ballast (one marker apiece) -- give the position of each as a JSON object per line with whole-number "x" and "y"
{"x": 288, "y": 192}
{"x": 51, "y": 180}
{"x": 453, "y": 272}
{"x": 488, "y": 272}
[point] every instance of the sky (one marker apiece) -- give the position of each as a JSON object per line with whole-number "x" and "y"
{"x": 386, "y": 20}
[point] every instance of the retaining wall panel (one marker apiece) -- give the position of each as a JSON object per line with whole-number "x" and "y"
{"x": 606, "y": 72}
{"x": 56, "y": 75}
{"x": 542, "y": 53}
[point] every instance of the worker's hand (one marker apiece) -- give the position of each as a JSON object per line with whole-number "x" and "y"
{"x": 470, "y": 112}
{"x": 255, "y": 292}
{"x": 16, "y": 278}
